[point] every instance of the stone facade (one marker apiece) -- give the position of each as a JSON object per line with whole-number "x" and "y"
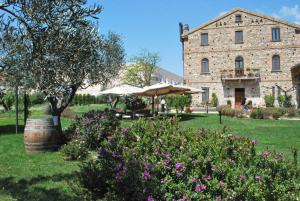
{"x": 257, "y": 50}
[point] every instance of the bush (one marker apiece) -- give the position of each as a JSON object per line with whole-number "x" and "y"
{"x": 229, "y": 103}
{"x": 93, "y": 127}
{"x": 268, "y": 113}
{"x": 36, "y": 98}
{"x": 75, "y": 150}
{"x": 280, "y": 99}
{"x": 160, "y": 160}
{"x": 48, "y": 110}
{"x": 9, "y": 100}
{"x": 257, "y": 113}
{"x": 86, "y": 99}
{"x": 214, "y": 100}
{"x": 226, "y": 110}
{"x": 287, "y": 101}
{"x": 68, "y": 113}
{"x": 179, "y": 101}
{"x": 277, "y": 113}
{"x": 134, "y": 103}
{"x": 269, "y": 100}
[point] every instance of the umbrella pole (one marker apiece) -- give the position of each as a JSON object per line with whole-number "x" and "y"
{"x": 153, "y": 105}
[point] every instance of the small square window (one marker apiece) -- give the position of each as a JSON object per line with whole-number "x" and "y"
{"x": 204, "y": 39}
{"x": 238, "y": 18}
{"x": 239, "y": 37}
{"x": 275, "y": 34}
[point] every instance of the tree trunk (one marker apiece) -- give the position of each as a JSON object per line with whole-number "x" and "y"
{"x": 58, "y": 106}
{"x": 26, "y": 107}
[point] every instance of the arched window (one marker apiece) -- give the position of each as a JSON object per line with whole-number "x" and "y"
{"x": 239, "y": 63}
{"x": 276, "y": 63}
{"x": 204, "y": 66}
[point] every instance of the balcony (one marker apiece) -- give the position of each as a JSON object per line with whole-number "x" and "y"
{"x": 240, "y": 75}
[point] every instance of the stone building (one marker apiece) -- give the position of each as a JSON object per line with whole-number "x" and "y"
{"x": 242, "y": 54}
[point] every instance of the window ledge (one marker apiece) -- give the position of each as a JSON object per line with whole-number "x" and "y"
{"x": 276, "y": 71}
{"x": 239, "y": 21}
{"x": 239, "y": 43}
{"x": 275, "y": 40}
{"x": 205, "y": 73}
{"x": 205, "y": 45}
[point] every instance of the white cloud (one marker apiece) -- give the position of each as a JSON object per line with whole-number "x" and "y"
{"x": 222, "y": 13}
{"x": 275, "y": 15}
{"x": 291, "y": 12}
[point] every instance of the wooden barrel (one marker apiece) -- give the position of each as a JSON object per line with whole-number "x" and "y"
{"x": 40, "y": 135}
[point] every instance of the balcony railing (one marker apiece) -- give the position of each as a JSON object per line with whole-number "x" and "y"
{"x": 238, "y": 74}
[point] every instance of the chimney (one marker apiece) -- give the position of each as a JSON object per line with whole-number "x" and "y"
{"x": 180, "y": 28}
{"x": 186, "y": 28}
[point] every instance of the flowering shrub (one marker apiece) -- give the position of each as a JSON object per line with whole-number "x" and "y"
{"x": 93, "y": 127}
{"x": 75, "y": 150}
{"x": 160, "y": 160}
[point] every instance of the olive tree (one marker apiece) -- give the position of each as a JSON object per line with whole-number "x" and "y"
{"x": 140, "y": 69}
{"x": 55, "y": 47}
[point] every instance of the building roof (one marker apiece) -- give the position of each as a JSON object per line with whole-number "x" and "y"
{"x": 243, "y": 11}
{"x": 168, "y": 74}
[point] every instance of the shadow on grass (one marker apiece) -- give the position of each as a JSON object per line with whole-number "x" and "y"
{"x": 31, "y": 189}
{"x": 7, "y": 129}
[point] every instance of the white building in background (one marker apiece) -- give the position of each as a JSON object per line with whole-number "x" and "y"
{"x": 159, "y": 75}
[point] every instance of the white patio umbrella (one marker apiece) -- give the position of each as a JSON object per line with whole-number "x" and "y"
{"x": 160, "y": 89}
{"x": 122, "y": 90}
{"x": 189, "y": 90}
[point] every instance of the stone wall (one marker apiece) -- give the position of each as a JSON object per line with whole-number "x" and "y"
{"x": 257, "y": 50}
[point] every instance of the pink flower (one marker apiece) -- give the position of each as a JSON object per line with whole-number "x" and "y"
{"x": 200, "y": 187}
{"x": 265, "y": 153}
{"x": 179, "y": 166}
{"x": 258, "y": 178}
{"x": 149, "y": 198}
{"x": 222, "y": 184}
{"x": 146, "y": 175}
{"x": 253, "y": 142}
{"x": 242, "y": 177}
{"x": 219, "y": 197}
{"x": 165, "y": 162}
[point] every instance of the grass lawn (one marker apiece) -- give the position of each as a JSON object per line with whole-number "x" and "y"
{"x": 46, "y": 176}
{"x": 275, "y": 134}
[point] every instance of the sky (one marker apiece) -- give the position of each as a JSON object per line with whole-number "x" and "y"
{"x": 153, "y": 24}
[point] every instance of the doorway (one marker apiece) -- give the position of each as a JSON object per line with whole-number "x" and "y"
{"x": 239, "y": 97}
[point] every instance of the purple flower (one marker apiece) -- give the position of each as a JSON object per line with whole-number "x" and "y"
{"x": 146, "y": 175}
{"x": 222, "y": 184}
{"x": 149, "y": 198}
{"x": 147, "y": 166}
{"x": 219, "y": 197}
{"x": 200, "y": 187}
{"x": 258, "y": 178}
{"x": 125, "y": 130}
{"x": 166, "y": 162}
{"x": 253, "y": 142}
{"x": 265, "y": 153}
{"x": 242, "y": 177}
{"x": 179, "y": 166}
{"x": 178, "y": 173}
{"x": 184, "y": 198}
{"x": 208, "y": 177}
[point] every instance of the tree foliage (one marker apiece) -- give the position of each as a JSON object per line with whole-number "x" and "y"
{"x": 55, "y": 47}
{"x": 139, "y": 72}
{"x": 179, "y": 101}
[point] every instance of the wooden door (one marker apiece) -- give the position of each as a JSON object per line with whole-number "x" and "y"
{"x": 239, "y": 97}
